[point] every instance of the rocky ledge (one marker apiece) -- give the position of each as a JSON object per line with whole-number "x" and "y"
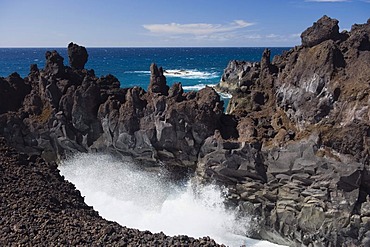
{"x": 293, "y": 148}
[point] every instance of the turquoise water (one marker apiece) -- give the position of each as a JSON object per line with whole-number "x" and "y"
{"x": 193, "y": 67}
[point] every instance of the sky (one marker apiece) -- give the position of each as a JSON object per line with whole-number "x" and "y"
{"x": 169, "y": 23}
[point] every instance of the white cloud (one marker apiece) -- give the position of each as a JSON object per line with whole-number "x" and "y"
{"x": 252, "y": 36}
{"x": 272, "y": 36}
{"x": 196, "y": 28}
{"x": 295, "y": 35}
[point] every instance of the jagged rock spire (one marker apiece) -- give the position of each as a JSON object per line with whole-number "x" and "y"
{"x": 158, "y": 82}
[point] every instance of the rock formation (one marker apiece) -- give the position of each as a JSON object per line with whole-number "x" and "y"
{"x": 68, "y": 109}
{"x": 324, "y": 29}
{"x": 77, "y": 56}
{"x": 301, "y": 160}
{"x": 293, "y": 148}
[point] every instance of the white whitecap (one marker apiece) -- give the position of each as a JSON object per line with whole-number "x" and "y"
{"x": 197, "y": 87}
{"x": 190, "y": 74}
{"x": 138, "y": 72}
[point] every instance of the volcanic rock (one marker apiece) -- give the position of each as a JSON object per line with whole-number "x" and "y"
{"x": 12, "y": 92}
{"x": 71, "y": 110}
{"x": 54, "y": 64}
{"x": 324, "y": 29}
{"x": 308, "y": 111}
{"x": 157, "y": 81}
{"x": 77, "y": 56}
{"x": 293, "y": 148}
{"x": 39, "y": 207}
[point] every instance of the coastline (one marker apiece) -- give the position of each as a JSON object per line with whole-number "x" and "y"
{"x": 293, "y": 148}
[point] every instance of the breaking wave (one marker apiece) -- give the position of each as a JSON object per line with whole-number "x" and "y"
{"x": 197, "y": 87}
{"x": 121, "y": 192}
{"x": 190, "y": 74}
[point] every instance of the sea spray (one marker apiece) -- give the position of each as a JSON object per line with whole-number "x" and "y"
{"x": 122, "y": 192}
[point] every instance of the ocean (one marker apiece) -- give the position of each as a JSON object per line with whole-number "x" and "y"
{"x": 193, "y": 67}
{"x": 116, "y": 189}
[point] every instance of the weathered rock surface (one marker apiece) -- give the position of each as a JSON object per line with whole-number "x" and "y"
{"x": 293, "y": 148}
{"x": 301, "y": 161}
{"x": 38, "y": 207}
{"x": 13, "y": 89}
{"x": 77, "y": 56}
{"x": 324, "y": 29}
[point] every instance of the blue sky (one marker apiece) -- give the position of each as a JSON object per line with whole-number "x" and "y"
{"x": 168, "y": 23}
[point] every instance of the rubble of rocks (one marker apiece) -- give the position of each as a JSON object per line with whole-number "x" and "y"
{"x": 39, "y": 208}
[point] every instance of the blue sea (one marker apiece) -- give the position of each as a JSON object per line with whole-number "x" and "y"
{"x": 193, "y": 67}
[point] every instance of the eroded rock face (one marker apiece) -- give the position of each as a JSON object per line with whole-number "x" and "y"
{"x": 308, "y": 111}
{"x": 54, "y": 64}
{"x": 152, "y": 126}
{"x": 324, "y": 29}
{"x": 157, "y": 81}
{"x": 303, "y": 193}
{"x": 13, "y": 89}
{"x": 235, "y": 76}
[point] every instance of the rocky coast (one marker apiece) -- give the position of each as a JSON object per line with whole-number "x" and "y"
{"x": 292, "y": 147}
{"x": 39, "y": 208}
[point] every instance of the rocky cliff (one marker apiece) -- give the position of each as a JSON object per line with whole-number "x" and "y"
{"x": 302, "y": 159}
{"x": 293, "y": 148}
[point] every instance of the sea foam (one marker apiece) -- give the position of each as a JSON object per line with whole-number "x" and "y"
{"x": 197, "y": 87}
{"x": 190, "y": 74}
{"x": 148, "y": 201}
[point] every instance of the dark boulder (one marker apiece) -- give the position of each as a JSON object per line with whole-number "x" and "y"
{"x": 54, "y": 64}
{"x": 324, "y": 29}
{"x": 77, "y": 56}
{"x": 13, "y": 89}
{"x": 132, "y": 110}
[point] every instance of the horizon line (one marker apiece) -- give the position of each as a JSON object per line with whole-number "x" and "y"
{"x": 135, "y": 47}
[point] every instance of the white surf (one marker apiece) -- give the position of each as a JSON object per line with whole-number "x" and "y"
{"x": 147, "y": 201}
